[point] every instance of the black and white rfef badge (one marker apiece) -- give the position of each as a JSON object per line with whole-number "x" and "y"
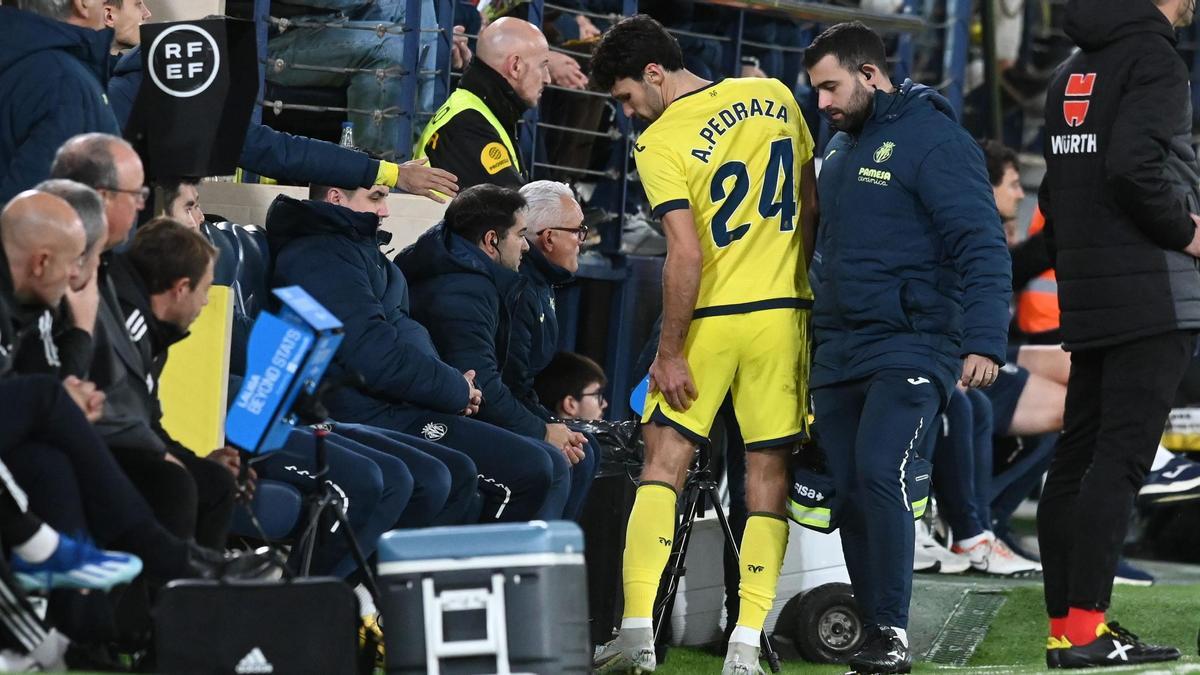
{"x": 199, "y": 82}
{"x": 184, "y": 60}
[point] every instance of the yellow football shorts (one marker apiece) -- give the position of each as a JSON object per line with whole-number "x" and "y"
{"x": 761, "y": 358}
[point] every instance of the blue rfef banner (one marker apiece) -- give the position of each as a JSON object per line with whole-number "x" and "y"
{"x": 199, "y": 83}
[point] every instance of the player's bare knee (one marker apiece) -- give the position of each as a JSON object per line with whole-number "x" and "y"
{"x": 668, "y": 455}
{"x": 767, "y": 480}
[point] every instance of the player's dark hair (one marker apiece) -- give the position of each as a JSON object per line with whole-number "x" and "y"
{"x": 482, "y": 208}
{"x": 628, "y": 47}
{"x": 852, "y": 43}
{"x": 999, "y": 157}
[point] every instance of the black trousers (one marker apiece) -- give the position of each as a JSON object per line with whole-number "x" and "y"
{"x": 192, "y": 501}
{"x": 1118, "y": 399}
{"x": 71, "y": 478}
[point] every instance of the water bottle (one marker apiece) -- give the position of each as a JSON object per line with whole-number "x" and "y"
{"x": 347, "y": 135}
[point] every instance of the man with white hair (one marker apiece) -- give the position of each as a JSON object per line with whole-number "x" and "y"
{"x": 555, "y": 233}
{"x": 53, "y": 71}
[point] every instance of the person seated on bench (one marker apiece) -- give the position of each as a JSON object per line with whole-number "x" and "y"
{"x": 329, "y": 245}
{"x": 466, "y": 290}
{"x": 573, "y": 386}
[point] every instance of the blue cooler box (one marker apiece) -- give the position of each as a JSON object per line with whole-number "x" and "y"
{"x": 505, "y": 598}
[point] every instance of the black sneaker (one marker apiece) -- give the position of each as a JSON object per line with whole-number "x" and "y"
{"x": 882, "y": 652}
{"x": 1054, "y": 647}
{"x": 1114, "y": 646}
{"x": 206, "y": 563}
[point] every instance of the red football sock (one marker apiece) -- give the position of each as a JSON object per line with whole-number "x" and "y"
{"x": 1058, "y": 626}
{"x": 1081, "y": 625}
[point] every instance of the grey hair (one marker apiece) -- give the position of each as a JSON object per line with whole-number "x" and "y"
{"x": 88, "y": 159}
{"x": 543, "y": 199}
{"x": 60, "y": 10}
{"x": 87, "y": 204}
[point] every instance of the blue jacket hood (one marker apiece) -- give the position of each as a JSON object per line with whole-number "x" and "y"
{"x": 289, "y": 219}
{"x": 28, "y": 33}
{"x": 909, "y": 96}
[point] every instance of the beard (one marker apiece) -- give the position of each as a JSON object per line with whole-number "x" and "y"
{"x": 856, "y": 112}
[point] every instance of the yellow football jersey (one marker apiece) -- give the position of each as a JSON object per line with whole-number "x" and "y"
{"x": 733, "y": 152}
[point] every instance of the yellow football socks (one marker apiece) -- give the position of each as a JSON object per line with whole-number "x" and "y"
{"x": 763, "y": 544}
{"x": 648, "y": 540}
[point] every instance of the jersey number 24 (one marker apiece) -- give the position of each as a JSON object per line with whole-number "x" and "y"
{"x": 781, "y": 161}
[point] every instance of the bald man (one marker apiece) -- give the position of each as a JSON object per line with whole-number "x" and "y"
{"x": 42, "y": 246}
{"x": 474, "y": 134}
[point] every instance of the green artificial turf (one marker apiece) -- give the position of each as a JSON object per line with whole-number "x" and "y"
{"x": 1016, "y": 640}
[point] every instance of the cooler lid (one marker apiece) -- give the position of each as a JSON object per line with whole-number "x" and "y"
{"x": 470, "y": 541}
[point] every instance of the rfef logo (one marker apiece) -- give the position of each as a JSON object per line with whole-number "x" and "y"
{"x": 184, "y": 60}
{"x": 1079, "y": 85}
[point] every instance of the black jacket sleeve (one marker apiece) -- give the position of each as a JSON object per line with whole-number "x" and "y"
{"x": 1137, "y": 155}
{"x": 1029, "y": 259}
{"x": 1048, "y": 229}
{"x": 469, "y": 147}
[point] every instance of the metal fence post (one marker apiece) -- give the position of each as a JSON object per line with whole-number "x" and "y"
{"x": 954, "y": 59}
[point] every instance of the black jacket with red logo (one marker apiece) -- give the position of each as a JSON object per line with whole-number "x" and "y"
{"x": 1121, "y": 178}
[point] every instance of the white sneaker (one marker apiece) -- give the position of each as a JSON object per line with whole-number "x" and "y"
{"x": 930, "y": 556}
{"x": 631, "y": 652}
{"x": 741, "y": 659}
{"x": 993, "y": 556}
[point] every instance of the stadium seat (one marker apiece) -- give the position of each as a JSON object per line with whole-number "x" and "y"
{"x": 244, "y": 263}
{"x": 276, "y": 505}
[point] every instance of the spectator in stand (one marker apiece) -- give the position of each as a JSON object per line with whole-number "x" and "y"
{"x": 53, "y": 72}
{"x": 352, "y": 42}
{"x": 466, "y": 290}
{"x": 267, "y": 152}
{"x": 330, "y": 246}
{"x": 573, "y": 386}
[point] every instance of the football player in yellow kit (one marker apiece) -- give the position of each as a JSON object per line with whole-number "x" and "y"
{"x": 728, "y": 168}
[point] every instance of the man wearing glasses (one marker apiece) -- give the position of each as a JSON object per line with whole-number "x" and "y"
{"x": 555, "y": 231}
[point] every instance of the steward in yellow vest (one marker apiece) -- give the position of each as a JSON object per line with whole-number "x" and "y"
{"x": 473, "y": 135}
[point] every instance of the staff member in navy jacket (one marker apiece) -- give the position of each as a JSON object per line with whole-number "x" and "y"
{"x": 912, "y": 280}
{"x": 465, "y": 289}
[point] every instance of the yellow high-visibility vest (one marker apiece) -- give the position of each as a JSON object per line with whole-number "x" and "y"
{"x": 459, "y": 101}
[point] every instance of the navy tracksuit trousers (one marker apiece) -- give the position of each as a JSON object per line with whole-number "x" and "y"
{"x": 869, "y": 430}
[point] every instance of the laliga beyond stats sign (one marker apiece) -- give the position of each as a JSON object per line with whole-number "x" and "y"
{"x": 199, "y": 81}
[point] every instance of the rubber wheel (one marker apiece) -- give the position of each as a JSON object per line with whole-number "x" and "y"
{"x": 828, "y": 627}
